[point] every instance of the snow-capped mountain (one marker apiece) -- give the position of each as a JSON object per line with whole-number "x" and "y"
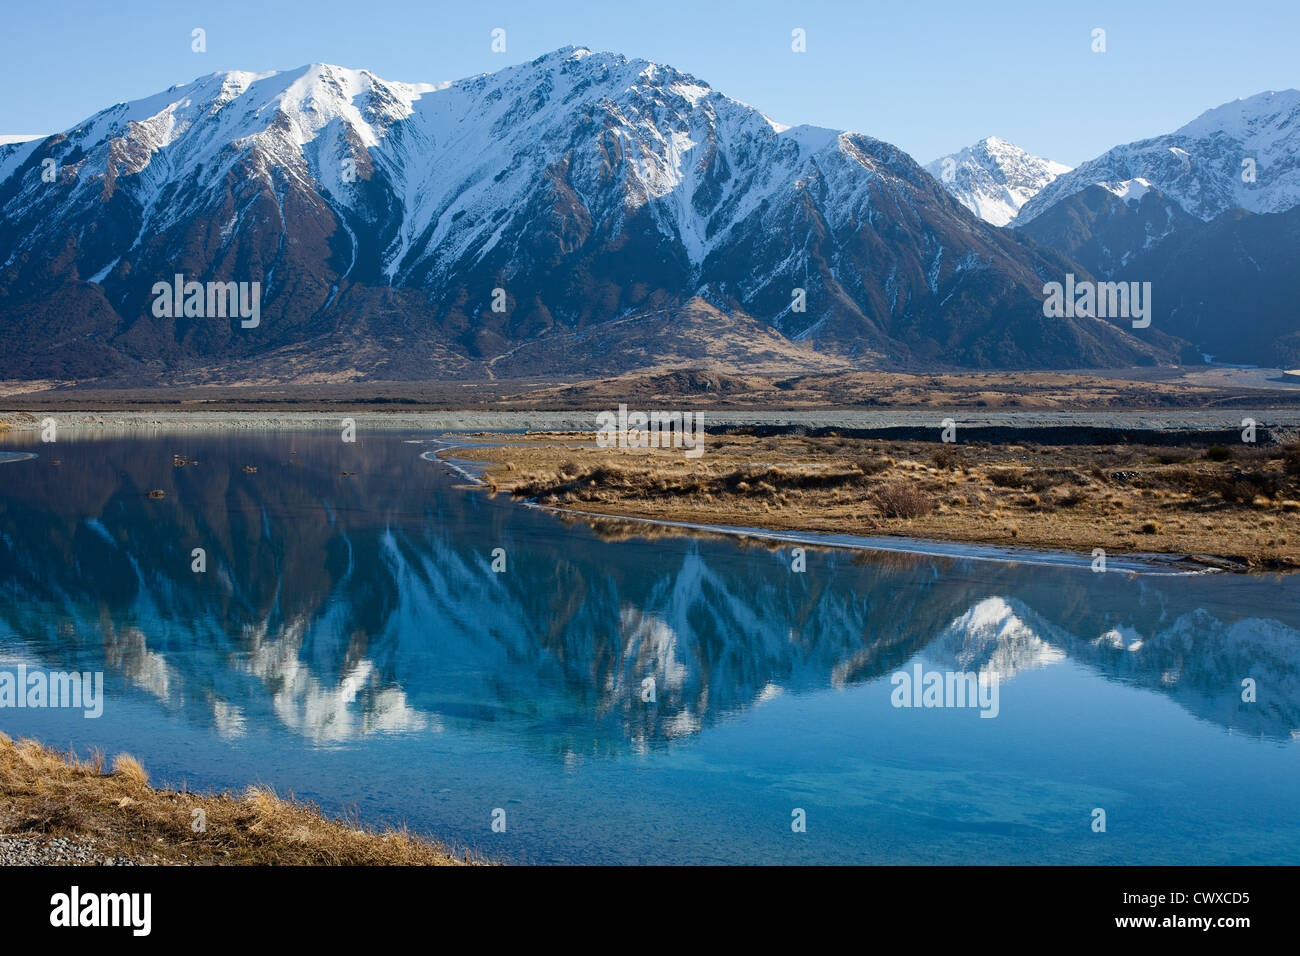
{"x": 1244, "y": 154}
{"x": 994, "y": 178}
{"x": 1209, "y": 214}
{"x": 381, "y": 217}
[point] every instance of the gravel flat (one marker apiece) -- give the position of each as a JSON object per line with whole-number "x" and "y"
{"x": 25, "y": 850}
{"x": 492, "y": 421}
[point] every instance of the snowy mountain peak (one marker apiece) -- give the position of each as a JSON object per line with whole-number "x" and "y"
{"x": 450, "y": 149}
{"x": 1260, "y": 119}
{"x": 994, "y": 178}
{"x": 1244, "y": 154}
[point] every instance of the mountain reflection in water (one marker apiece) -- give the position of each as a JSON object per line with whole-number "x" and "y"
{"x": 337, "y": 608}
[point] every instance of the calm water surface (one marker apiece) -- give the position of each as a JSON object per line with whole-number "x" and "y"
{"x": 350, "y": 642}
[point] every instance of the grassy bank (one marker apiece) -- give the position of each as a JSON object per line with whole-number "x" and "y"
{"x": 1232, "y": 506}
{"x": 48, "y": 796}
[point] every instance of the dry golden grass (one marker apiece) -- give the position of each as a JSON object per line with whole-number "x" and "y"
{"x": 1123, "y": 498}
{"x": 47, "y": 793}
{"x": 129, "y": 769}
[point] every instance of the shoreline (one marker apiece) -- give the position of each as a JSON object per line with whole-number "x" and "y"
{"x": 924, "y": 547}
{"x": 61, "y": 810}
{"x": 965, "y": 514}
{"x": 898, "y": 544}
{"x": 1000, "y": 503}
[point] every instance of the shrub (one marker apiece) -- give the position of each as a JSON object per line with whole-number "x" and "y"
{"x": 1236, "y": 490}
{"x": 1043, "y": 481}
{"x": 1218, "y": 453}
{"x": 1248, "y": 485}
{"x": 1007, "y": 478}
{"x": 948, "y": 457}
{"x": 873, "y": 466}
{"x": 1071, "y": 498}
{"x": 902, "y": 500}
{"x": 1291, "y": 459}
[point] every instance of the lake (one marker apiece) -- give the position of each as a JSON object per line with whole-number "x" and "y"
{"x": 626, "y": 694}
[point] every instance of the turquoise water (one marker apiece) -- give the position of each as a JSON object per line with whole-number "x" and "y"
{"x": 351, "y": 643}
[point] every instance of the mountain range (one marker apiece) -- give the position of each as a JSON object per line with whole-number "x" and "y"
{"x": 589, "y": 212}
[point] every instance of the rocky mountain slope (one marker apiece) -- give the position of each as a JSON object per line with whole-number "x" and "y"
{"x": 380, "y": 218}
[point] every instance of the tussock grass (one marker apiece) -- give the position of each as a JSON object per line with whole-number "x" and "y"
{"x": 129, "y": 770}
{"x": 44, "y": 792}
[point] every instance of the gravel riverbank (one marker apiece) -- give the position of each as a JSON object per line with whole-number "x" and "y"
{"x": 1287, "y": 420}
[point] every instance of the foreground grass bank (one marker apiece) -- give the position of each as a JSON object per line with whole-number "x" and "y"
{"x": 49, "y": 796}
{"x": 1233, "y": 507}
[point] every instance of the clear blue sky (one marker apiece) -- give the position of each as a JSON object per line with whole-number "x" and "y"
{"x": 930, "y": 77}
